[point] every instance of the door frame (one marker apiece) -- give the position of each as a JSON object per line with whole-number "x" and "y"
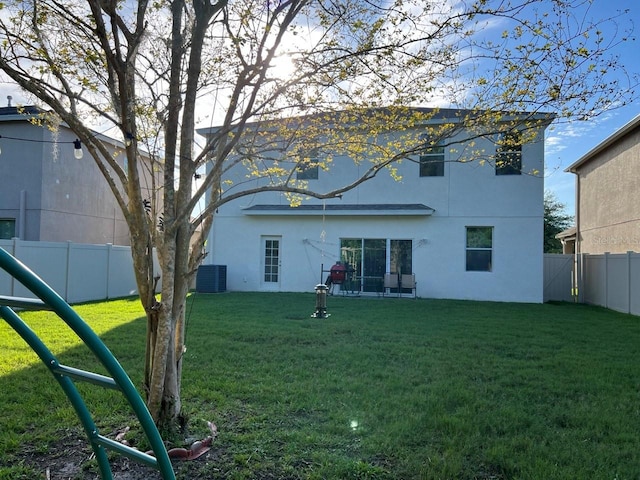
{"x": 270, "y": 285}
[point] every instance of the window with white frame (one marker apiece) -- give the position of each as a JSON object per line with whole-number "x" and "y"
{"x": 307, "y": 168}
{"x": 432, "y": 159}
{"x": 509, "y": 154}
{"x": 479, "y": 249}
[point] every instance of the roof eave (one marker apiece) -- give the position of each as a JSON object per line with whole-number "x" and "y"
{"x": 607, "y": 142}
{"x": 344, "y": 211}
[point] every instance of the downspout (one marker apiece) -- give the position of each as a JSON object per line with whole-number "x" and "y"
{"x": 577, "y": 265}
{"x": 22, "y": 217}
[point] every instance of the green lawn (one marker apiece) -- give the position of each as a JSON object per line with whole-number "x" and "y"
{"x": 382, "y": 389}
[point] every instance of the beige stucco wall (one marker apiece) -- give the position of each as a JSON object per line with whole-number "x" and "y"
{"x": 609, "y": 198}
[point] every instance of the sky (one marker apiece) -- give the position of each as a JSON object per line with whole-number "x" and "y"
{"x": 567, "y": 143}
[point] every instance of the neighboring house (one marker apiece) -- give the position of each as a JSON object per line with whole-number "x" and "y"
{"x": 608, "y": 194}
{"x": 568, "y": 239}
{"x": 466, "y": 230}
{"x": 46, "y": 194}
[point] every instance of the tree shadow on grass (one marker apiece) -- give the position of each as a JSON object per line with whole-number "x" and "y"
{"x": 486, "y": 390}
{"x": 40, "y": 433}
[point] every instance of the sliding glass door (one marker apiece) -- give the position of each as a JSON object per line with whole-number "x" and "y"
{"x": 374, "y": 264}
{"x": 401, "y": 258}
{"x": 368, "y": 259}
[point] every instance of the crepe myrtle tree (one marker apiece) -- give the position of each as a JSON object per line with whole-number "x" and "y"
{"x": 317, "y": 72}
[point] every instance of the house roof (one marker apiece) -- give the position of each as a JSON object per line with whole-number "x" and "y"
{"x": 568, "y": 234}
{"x": 630, "y": 127}
{"x": 8, "y": 114}
{"x": 375, "y": 209}
{"x": 27, "y": 112}
{"x": 433, "y": 115}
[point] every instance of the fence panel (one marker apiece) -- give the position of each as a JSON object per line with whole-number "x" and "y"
{"x": 594, "y": 276}
{"x": 88, "y": 271}
{"x": 77, "y": 272}
{"x": 608, "y": 280}
{"x": 6, "y": 281}
{"x": 634, "y": 283}
{"x": 48, "y": 260}
{"x": 612, "y": 281}
{"x": 122, "y": 280}
{"x": 558, "y": 271}
{"x": 617, "y": 282}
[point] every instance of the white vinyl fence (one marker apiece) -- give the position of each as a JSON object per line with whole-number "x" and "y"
{"x": 608, "y": 280}
{"x": 558, "y": 271}
{"x": 82, "y": 273}
{"x": 77, "y": 272}
{"x": 612, "y": 281}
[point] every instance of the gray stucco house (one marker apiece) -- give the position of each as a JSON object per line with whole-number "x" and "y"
{"x": 46, "y": 193}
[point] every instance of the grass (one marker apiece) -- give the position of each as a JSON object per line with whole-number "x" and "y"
{"x": 382, "y": 389}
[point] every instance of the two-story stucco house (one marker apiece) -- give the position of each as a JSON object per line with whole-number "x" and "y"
{"x": 608, "y": 194}
{"x": 46, "y": 193}
{"x": 467, "y": 230}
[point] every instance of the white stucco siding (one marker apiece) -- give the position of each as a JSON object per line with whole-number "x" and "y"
{"x": 466, "y": 189}
{"x": 468, "y": 195}
{"x": 241, "y": 248}
{"x": 516, "y": 273}
{"x": 439, "y": 253}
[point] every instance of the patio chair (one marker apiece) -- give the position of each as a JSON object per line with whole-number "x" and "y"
{"x": 408, "y": 282}
{"x": 391, "y": 281}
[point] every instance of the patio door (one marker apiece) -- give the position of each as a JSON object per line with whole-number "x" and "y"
{"x": 374, "y": 261}
{"x": 370, "y": 258}
{"x": 401, "y": 260}
{"x": 366, "y": 258}
{"x": 271, "y": 263}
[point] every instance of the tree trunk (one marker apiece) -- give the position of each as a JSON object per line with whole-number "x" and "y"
{"x": 166, "y": 328}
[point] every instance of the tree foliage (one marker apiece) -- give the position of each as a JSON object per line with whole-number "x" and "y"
{"x": 556, "y": 220}
{"x": 149, "y": 71}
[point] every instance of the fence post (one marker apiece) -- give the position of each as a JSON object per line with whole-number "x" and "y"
{"x": 67, "y": 274}
{"x": 581, "y": 278}
{"x": 629, "y": 281}
{"x": 14, "y": 247}
{"x": 109, "y": 250}
{"x": 606, "y": 279}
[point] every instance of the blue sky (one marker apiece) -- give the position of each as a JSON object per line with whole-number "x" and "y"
{"x": 568, "y": 142}
{"x": 565, "y": 143}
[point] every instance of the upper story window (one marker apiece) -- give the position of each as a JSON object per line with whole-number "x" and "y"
{"x": 509, "y": 154}
{"x": 432, "y": 160}
{"x": 7, "y": 228}
{"x": 307, "y": 168}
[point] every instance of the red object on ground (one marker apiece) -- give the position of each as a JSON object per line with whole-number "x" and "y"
{"x": 337, "y": 273}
